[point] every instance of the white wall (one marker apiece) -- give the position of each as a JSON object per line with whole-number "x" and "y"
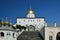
{"x": 51, "y": 31}
{"x": 8, "y": 37}
{"x": 37, "y": 22}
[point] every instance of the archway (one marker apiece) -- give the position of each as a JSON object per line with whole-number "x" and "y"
{"x": 58, "y": 36}
{"x": 31, "y": 28}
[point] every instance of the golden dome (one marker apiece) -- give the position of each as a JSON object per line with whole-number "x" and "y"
{"x": 30, "y": 11}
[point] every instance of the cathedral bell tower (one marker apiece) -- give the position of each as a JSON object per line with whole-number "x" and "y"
{"x": 30, "y": 13}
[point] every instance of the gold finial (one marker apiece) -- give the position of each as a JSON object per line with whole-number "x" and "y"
{"x": 10, "y": 22}
{"x": 6, "y": 21}
{"x": 30, "y": 11}
{"x": 2, "y": 21}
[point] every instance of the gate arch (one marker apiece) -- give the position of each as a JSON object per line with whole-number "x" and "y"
{"x": 31, "y": 28}
{"x": 58, "y": 36}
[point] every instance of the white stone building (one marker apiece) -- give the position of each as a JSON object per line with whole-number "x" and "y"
{"x": 31, "y": 21}
{"x": 7, "y": 32}
{"x": 33, "y": 24}
{"x": 52, "y": 32}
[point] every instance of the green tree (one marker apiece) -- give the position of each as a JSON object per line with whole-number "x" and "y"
{"x": 13, "y": 27}
{"x": 20, "y": 27}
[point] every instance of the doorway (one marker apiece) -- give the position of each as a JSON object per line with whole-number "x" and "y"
{"x": 58, "y": 36}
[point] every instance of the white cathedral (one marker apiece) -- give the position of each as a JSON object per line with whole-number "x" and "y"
{"x": 39, "y": 24}
{"x": 7, "y": 32}
{"x": 32, "y": 24}
{"x": 31, "y": 21}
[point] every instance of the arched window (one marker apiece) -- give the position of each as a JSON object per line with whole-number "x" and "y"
{"x": 8, "y": 34}
{"x": 58, "y": 36}
{"x": 13, "y": 34}
{"x": 31, "y": 28}
{"x": 2, "y": 34}
{"x": 50, "y": 37}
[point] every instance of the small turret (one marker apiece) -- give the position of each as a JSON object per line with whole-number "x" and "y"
{"x": 6, "y": 21}
{"x": 10, "y": 23}
{"x": 2, "y": 22}
{"x": 55, "y": 24}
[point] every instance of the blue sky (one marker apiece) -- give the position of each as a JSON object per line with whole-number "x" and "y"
{"x": 50, "y": 9}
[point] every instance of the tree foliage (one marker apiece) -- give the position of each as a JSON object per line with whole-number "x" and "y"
{"x": 20, "y": 27}
{"x": 13, "y": 27}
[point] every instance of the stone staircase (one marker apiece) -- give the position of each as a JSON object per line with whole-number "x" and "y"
{"x": 30, "y": 35}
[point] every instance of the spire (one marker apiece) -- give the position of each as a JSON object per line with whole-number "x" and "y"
{"x": 2, "y": 21}
{"x": 10, "y": 23}
{"x": 6, "y": 21}
{"x": 55, "y": 24}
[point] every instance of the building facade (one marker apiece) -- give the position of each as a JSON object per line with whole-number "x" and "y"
{"x": 31, "y": 22}
{"x": 52, "y": 32}
{"x": 39, "y": 24}
{"x": 33, "y": 25}
{"x": 7, "y": 32}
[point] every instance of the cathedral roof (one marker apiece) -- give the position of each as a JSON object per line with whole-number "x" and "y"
{"x": 7, "y": 28}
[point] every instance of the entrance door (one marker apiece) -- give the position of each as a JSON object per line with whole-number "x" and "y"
{"x": 58, "y": 36}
